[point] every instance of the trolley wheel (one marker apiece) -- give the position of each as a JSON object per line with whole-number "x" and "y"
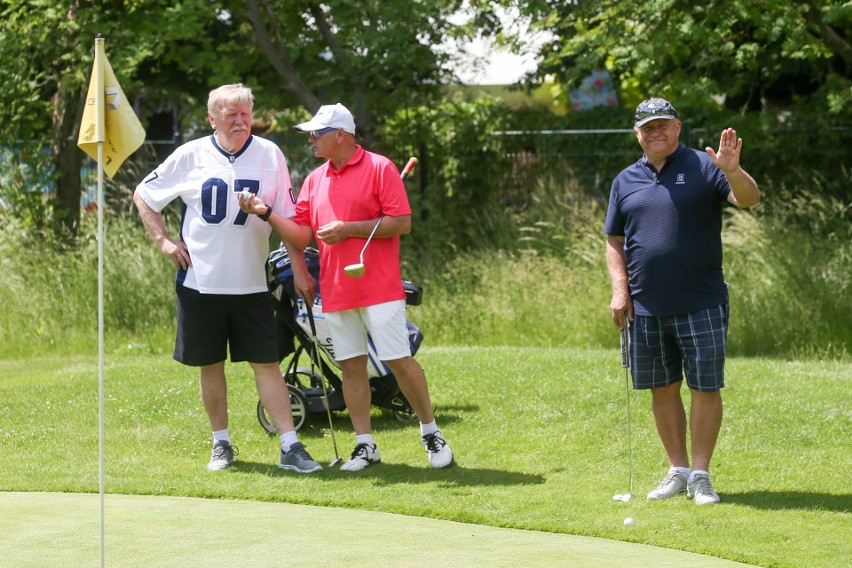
{"x": 404, "y": 415}
{"x": 402, "y": 409}
{"x": 304, "y": 378}
{"x": 299, "y": 405}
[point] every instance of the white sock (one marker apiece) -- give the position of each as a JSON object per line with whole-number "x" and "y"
{"x": 430, "y": 428}
{"x": 684, "y": 471}
{"x": 221, "y": 436}
{"x": 696, "y": 472}
{"x": 288, "y": 439}
{"x": 365, "y": 439}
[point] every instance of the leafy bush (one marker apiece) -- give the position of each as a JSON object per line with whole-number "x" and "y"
{"x": 25, "y": 187}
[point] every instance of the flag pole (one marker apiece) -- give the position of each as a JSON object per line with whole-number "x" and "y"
{"x": 100, "y": 136}
{"x": 101, "y": 339}
{"x": 107, "y": 118}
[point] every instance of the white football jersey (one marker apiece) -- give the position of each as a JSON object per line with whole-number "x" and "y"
{"x": 228, "y": 248}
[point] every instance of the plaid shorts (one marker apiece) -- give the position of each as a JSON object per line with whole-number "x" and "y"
{"x": 662, "y": 348}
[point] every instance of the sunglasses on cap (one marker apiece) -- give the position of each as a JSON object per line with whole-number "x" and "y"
{"x": 653, "y": 109}
{"x": 657, "y": 113}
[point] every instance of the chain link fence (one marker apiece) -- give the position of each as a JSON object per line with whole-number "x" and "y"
{"x": 590, "y": 159}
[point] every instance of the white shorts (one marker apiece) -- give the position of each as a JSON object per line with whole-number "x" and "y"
{"x": 386, "y": 324}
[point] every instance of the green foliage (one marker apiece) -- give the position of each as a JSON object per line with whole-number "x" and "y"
{"x": 753, "y": 54}
{"x": 458, "y": 164}
{"x": 46, "y": 61}
{"x": 375, "y": 57}
{"x": 26, "y": 198}
{"x": 380, "y": 60}
{"x": 789, "y": 282}
{"x": 538, "y": 433}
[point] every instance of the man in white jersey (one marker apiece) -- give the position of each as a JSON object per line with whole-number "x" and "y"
{"x": 220, "y": 255}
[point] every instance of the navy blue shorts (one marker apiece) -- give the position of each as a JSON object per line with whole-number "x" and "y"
{"x": 210, "y": 324}
{"x": 663, "y": 348}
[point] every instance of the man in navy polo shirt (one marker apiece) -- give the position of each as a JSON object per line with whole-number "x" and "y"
{"x": 664, "y": 257}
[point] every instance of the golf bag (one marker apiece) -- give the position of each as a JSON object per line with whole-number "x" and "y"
{"x": 295, "y": 340}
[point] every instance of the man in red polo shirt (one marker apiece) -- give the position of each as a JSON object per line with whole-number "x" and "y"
{"x": 343, "y": 201}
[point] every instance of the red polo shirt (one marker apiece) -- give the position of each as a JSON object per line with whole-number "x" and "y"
{"x": 367, "y": 187}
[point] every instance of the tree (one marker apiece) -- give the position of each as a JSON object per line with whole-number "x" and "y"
{"x": 376, "y": 56}
{"x": 754, "y": 54}
{"x": 47, "y": 58}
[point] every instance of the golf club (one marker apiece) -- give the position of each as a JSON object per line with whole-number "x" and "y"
{"x": 358, "y": 270}
{"x": 412, "y": 161}
{"x": 625, "y": 362}
{"x": 315, "y": 358}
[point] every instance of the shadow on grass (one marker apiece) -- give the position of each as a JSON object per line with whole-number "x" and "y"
{"x": 390, "y": 474}
{"x": 318, "y": 421}
{"x": 780, "y": 500}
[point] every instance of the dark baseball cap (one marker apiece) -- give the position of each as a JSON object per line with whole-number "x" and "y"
{"x": 653, "y": 109}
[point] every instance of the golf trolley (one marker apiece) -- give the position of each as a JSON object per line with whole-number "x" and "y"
{"x": 298, "y": 337}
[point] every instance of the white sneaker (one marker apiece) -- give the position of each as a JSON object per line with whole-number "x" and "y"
{"x": 671, "y": 485}
{"x": 363, "y": 456}
{"x": 701, "y": 490}
{"x": 437, "y": 449}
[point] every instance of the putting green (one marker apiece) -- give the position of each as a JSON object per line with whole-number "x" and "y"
{"x": 60, "y": 529}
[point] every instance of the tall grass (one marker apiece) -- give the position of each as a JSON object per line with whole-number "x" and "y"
{"x": 50, "y": 291}
{"x": 538, "y": 276}
{"x": 527, "y": 273}
{"x": 789, "y": 265}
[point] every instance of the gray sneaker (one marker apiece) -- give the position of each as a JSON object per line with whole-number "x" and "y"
{"x": 701, "y": 490}
{"x": 671, "y": 485}
{"x": 223, "y": 456}
{"x": 298, "y": 459}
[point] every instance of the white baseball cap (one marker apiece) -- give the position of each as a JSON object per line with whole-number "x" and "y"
{"x": 329, "y": 116}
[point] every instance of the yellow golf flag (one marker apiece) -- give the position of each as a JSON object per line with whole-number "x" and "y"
{"x": 108, "y": 117}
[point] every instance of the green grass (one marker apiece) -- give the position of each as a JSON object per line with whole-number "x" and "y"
{"x": 539, "y": 435}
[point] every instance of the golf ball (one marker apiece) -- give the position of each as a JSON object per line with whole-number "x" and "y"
{"x": 245, "y": 194}
{"x": 628, "y": 521}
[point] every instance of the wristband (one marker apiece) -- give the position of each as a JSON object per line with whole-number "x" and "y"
{"x": 266, "y": 215}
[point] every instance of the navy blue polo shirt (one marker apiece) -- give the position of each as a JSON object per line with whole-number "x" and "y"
{"x": 671, "y": 222}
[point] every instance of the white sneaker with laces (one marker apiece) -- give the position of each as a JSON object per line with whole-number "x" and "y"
{"x": 700, "y": 490}
{"x": 363, "y": 456}
{"x": 672, "y": 484}
{"x": 437, "y": 449}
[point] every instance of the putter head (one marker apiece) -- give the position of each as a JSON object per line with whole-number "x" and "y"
{"x": 623, "y": 497}
{"x": 355, "y": 270}
{"x": 335, "y": 462}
